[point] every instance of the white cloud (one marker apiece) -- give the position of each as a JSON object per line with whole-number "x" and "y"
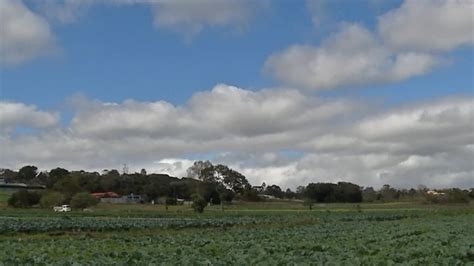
{"x": 225, "y": 112}
{"x": 23, "y": 34}
{"x": 276, "y": 136}
{"x": 190, "y": 17}
{"x": 14, "y": 115}
{"x": 351, "y": 57}
{"x": 429, "y": 25}
{"x": 442, "y": 120}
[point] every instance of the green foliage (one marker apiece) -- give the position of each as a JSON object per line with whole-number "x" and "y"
{"x": 69, "y": 186}
{"x": 171, "y": 201}
{"x": 218, "y": 175}
{"x": 226, "y": 195}
{"x": 449, "y": 196}
{"x": 309, "y": 238}
{"x": 83, "y": 200}
{"x": 388, "y": 193}
{"x": 275, "y": 191}
{"x": 23, "y": 199}
{"x": 51, "y": 199}
{"x": 250, "y": 194}
{"x": 329, "y": 192}
{"x": 27, "y": 173}
{"x": 369, "y": 195}
{"x": 199, "y": 203}
{"x": 54, "y": 175}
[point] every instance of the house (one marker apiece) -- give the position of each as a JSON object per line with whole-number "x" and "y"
{"x": 265, "y": 196}
{"x": 132, "y": 198}
{"x": 112, "y": 197}
{"x": 100, "y": 195}
{"x": 107, "y": 197}
{"x": 434, "y": 193}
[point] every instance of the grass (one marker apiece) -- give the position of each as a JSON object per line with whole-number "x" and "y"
{"x": 5, "y": 193}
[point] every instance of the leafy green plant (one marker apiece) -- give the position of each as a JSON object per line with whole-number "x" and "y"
{"x": 83, "y": 200}
{"x": 199, "y": 203}
{"x": 23, "y": 199}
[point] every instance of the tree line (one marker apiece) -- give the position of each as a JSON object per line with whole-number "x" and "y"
{"x": 205, "y": 183}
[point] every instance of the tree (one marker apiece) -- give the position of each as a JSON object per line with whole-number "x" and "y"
{"x": 218, "y": 175}
{"x": 27, "y": 173}
{"x": 348, "y": 192}
{"x": 199, "y": 203}
{"x": 52, "y": 198}
{"x": 230, "y": 178}
{"x": 289, "y": 194}
{"x": 275, "y": 191}
{"x": 369, "y": 194}
{"x": 109, "y": 183}
{"x": 68, "y": 186}
{"x": 300, "y": 191}
{"x": 250, "y": 194}
{"x": 195, "y": 171}
{"x": 83, "y": 200}
{"x": 54, "y": 175}
{"x": 23, "y": 199}
{"x": 388, "y": 193}
{"x": 320, "y": 192}
{"x": 143, "y": 172}
{"x": 226, "y": 195}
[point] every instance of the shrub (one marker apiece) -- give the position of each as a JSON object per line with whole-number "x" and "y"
{"x": 447, "y": 196}
{"x": 23, "y": 199}
{"x": 83, "y": 200}
{"x": 51, "y": 198}
{"x": 171, "y": 201}
{"x": 199, "y": 203}
{"x": 227, "y": 195}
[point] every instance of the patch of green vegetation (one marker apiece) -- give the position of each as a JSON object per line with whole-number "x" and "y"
{"x": 5, "y": 194}
{"x": 426, "y": 236}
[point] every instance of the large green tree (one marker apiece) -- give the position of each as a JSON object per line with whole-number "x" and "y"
{"x": 27, "y": 173}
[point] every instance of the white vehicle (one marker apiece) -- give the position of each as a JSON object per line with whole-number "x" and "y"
{"x": 64, "y": 208}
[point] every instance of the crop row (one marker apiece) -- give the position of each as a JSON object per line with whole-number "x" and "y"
{"x": 11, "y": 225}
{"x": 65, "y": 223}
{"x": 430, "y": 240}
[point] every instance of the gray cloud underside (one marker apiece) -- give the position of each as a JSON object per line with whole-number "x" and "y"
{"x": 278, "y": 136}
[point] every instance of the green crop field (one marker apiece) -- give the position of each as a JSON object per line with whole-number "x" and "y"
{"x": 241, "y": 234}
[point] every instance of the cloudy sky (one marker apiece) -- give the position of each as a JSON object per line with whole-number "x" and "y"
{"x": 287, "y": 92}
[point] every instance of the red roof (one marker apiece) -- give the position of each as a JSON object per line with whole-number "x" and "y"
{"x": 105, "y": 195}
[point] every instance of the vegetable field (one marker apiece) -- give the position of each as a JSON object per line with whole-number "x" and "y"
{"x": 422, "y": 237}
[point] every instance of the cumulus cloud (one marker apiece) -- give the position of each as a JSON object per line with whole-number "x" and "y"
{"x": 225, "y": 112}
{"x": 13, "y": 114}
{"x": 427, "y": 25}
{"x": 351, "y": 57}
{"x": 445, "y": 118}
{"x": 408, "y": 42}
{"x": 190, "y": 17}
{"x": 23, "y": 34}
{"x": 276, "y": 136}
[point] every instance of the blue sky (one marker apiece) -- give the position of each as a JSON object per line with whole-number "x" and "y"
{"x": 272, "y": 88}
{"x": 107, "y": 57}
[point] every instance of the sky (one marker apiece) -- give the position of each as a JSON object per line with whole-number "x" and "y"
{"x": 286, "y": 92}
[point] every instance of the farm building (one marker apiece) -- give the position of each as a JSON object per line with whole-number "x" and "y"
{"x": 112, "y": 197}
